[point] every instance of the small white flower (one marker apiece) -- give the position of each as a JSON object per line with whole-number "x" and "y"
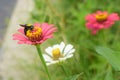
{"x": 58, "y": 52}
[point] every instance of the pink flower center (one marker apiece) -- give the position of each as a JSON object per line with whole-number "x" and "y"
{"x": 35, "y": 34}
{"x": 101, "y": 17}
{"x": 56, "y": 54}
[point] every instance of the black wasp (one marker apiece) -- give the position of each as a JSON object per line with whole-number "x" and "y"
{"x": 27, "y": 27}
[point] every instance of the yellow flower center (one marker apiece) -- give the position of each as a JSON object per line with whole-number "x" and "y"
{"x": 35, "y": 34}
{"x": 101, "y": 17}
{"x": 56, "y": 54}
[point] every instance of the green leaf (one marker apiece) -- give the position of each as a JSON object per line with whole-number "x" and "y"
{"x": 74, "y": 77}
{"x": 109, "y": 75}
{"x": 113, "y": 57}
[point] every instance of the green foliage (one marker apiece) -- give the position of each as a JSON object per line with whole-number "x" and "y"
{"x": 74, "y": 77}
{"x": 112, "y": 56}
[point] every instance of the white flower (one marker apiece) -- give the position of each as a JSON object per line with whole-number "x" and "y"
{"x": 58, "y": 52}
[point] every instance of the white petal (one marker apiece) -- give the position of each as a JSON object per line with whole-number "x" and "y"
{"x": 70, "y": 52}
{"x": 47, "y": 58}
{"x": 62, "y": 45}
{"x": 52, "y": 62}
{"x": 48, "y": 64}
{"x": 49, "y": 51}
{"x": 62, "y": 59}
{"x": 69, "y": 56}
{"x": 56, "y": 46}
{"x": 68, "y": 48}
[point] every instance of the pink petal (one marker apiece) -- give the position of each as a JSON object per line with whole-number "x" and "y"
{"x": 47, "y": 37}
{"x": 39, "y": 42}
{"x": 49, "y": 32}
{"x": 21, "y": 30}
{"x": 113, "y": 17}
{"x": 101, "y": 12}
{"x": 91, "y": 25}
{"x": 29, "y": 42}
{"x": 20, "y": 42}
{"x": 44, "y": 39}
{"x": 88, "y": 25}
{"x": 37, "y": 24}
{"x": 19, "y": 37}
{"x": 98, "y": 12}
{"x": 94, "y": 32}
{"x": 45, "y": 27}
{"x": 22, "y": 39}
{"x": 108, "y": 24}
{"x": 101, "y": 26}
{"x": 26, "y": 42}
{"x": 90, "y": 17}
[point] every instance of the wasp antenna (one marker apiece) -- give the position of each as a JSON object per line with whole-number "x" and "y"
{"x": 22, "y": 25}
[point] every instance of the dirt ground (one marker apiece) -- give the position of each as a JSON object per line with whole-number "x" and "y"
{"x": 10, "y": 48}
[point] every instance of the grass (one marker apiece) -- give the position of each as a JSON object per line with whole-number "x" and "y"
{"x": 69, "y": 18}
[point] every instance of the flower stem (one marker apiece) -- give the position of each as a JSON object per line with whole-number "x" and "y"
{"x": 104, "y": 38}
{"x": 116, "y": 37}
{"x": 42, "y": 59}
{"x": 62, "y": 67}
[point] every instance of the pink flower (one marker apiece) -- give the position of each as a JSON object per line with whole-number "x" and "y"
{"x": 34, "y": 34}
{"x": 100, "y": 20}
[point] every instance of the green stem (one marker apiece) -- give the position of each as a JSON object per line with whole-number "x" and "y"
{"x": 42, "y": 59}
{"x": 62, "y": 26}
{"x": 62, "y": 67}
{"x": 116, "y": 37}
{"x": 104, "y": 38}
{"x": 59, "y": 15}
